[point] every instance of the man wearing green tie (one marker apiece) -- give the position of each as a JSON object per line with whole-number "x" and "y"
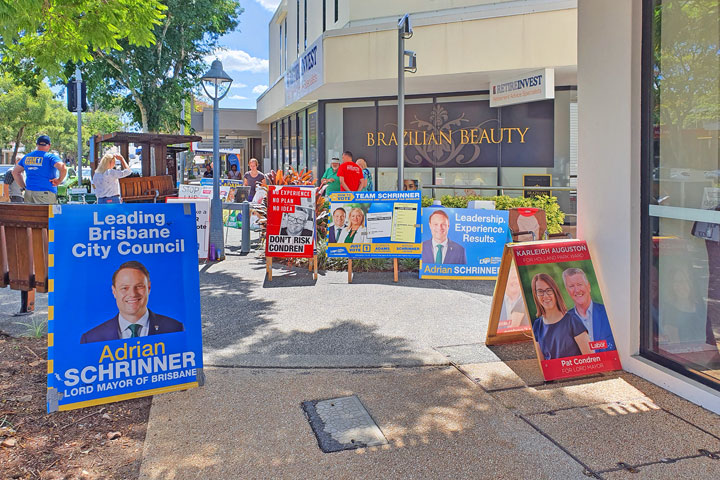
{"x": 440, "y": 249}
{"x": 131, "y": 289}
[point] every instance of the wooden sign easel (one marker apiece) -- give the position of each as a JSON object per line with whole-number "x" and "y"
{"x": 312, "y": 267}
{"x": 493, "y": 337}
{"x": 350, "y": 272}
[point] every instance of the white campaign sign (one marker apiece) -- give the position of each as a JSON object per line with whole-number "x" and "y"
{"x": 202, "y": 213}
{"x": 522, "y": 88}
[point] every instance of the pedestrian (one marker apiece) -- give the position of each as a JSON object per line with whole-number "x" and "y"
{"x": 233, "y": 173}
{"x": 330, "y": 178}
{"x": 208, "y": 171}
{"x": 107, "y": 180}
{"x": 253, "y": 177}
{"x": 350, "y": 175}
{"x": 44, "y": 171}
{"x": 367, "y": 176}
{"x": 14, "y": 190}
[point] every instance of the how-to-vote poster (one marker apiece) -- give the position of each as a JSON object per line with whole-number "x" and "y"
{"x": 570, "y": 324}
{"x": 374, "y": 225}
{"x": 463, "y": 243}
{"x": 135, "y": 329}
{"x": 202, "y": 216}
{"x": 290, "y": 221}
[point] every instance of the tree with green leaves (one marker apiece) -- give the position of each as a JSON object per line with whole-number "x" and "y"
{"x": 29, "y": 113}
{"x": 39, "y": 37}
{"x": 149, "y": 82}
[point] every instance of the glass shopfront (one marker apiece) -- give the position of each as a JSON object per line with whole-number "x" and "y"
{"x": 681, "y": 187}
{"x": 454, "y": 140}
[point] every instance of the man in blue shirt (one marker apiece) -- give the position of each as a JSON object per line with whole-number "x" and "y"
{"x": 592, "y": 314}
{"x": 41, "y": 168}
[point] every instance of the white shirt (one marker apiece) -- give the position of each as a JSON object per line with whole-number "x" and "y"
{"x": 106, "y": 183}
{"x": 444, "y": 249}
{"x": 587, "y": 320}
{"x": 125, "y": 332}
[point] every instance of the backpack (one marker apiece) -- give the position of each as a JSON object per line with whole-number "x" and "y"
{"x": 9, "y": 179}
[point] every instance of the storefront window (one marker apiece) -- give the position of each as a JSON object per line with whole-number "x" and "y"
{"x": 302, "y": 161}
{"x": 312, "y": 140}
{"x": 681, "y": 320}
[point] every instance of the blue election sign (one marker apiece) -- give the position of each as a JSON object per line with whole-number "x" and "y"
{"x": 463, "y": 243}
{"x": 124, "y": 303}
{"x": 374, "y": 225}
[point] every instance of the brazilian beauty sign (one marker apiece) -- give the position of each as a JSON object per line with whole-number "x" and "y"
{"x": 124, "y": 303}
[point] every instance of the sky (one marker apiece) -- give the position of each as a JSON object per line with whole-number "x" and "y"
{"x": 244, "y": 54}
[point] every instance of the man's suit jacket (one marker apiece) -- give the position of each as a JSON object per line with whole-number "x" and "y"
{"x": 332, "y": 237}
{"x": 110, "y": 330}
{"x": 455, "y": 253}
{"x": 601, "y": 326}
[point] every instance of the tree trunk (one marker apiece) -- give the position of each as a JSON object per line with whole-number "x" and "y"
{"x": 17, "y": 144}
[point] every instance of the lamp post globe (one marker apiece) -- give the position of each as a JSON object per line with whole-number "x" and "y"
{"x": 216, "y": 84}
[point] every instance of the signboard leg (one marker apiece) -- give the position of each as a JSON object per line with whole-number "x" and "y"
{"x": 349, "y": 270}
{"x": 395, "y": 269}
{"x": 268, "y": 268}
{"x": 315, "y": 265}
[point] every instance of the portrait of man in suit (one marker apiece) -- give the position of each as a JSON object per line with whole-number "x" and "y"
{"x": 592, "y": 314}
{"x": 440, "y": 249}
{"x": 131, "y": 289}
{"x": 336, "y": 228}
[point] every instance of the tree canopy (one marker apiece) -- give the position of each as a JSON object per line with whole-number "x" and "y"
{"x": 38, "y": 37}
{"x": 149, "y": 82}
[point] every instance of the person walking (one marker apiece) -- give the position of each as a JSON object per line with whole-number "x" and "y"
{"x": 44, "y": 171}
{"x": 107, "y": 180}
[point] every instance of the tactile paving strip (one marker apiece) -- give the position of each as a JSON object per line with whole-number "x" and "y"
{"x": 342, "y": 424}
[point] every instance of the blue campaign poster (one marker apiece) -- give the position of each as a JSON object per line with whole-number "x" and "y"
{"x": 463, "y": 243}
{"x": 374, "y": 225}
{"x": 124, "y": 303}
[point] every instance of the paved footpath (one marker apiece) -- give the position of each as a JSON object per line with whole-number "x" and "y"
{"x": 447, "y": 405}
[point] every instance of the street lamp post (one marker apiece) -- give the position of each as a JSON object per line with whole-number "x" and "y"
{"x": 216, "y": 84}
{"x": 404, "y": 32}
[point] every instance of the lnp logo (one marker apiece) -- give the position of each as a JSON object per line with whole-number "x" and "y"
{"x": 342, "y": 197}
{"x": 599, "y": 345}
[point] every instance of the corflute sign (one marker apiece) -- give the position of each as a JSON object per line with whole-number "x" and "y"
{"x": 527, "y": 87}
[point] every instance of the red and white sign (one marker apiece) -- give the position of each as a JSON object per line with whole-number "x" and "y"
{"x": 570, "y": 325}
{"x": 290, "y": 221}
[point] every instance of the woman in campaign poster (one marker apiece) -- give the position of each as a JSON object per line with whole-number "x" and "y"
{"x": 558, "y": 333}
{"x": 355, "y": 232}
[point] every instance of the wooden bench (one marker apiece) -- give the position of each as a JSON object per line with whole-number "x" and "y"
{"x": 147, "y": 189}
{"x": 24, "y": 250}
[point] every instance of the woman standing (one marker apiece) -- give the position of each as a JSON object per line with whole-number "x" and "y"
{"x": 253, "y": 177}
{"x": 107, "y": 180}
{"x": 558, "y": 333}
{"x": 367, "y": 176}
{"x": 233, "y": 173}
{"x": 355, "y": 231}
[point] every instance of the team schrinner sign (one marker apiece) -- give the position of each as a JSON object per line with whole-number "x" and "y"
{"x": 135, "y": 330}
{"x": 290, "y": 221}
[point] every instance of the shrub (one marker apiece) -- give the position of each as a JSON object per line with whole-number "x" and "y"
{"x": 555, "y": 217}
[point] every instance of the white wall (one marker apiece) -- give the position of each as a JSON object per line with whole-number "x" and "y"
{"x": 609, "y": 175}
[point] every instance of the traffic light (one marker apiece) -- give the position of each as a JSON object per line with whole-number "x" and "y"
{"x": 72, "y": 96}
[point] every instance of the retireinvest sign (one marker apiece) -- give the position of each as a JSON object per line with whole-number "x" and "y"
{"x": 526, "y": 87}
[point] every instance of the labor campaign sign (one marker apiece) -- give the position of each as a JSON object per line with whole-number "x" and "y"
{"x": 290, "y": 221}
{"x": 570, "y": 324}
{"x": 462, "y": 243}
{"x": 374, "y": 225}
{"x": 135, "y": 329}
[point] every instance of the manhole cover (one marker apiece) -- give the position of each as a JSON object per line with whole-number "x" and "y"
{"x": 342, "y": 424}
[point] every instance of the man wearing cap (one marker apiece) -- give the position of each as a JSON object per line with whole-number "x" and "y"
{"x": 41, "y": 169}
{"x": 330, "y": 177}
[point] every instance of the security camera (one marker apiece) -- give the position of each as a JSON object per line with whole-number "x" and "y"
{"x": 404, "y": 26}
